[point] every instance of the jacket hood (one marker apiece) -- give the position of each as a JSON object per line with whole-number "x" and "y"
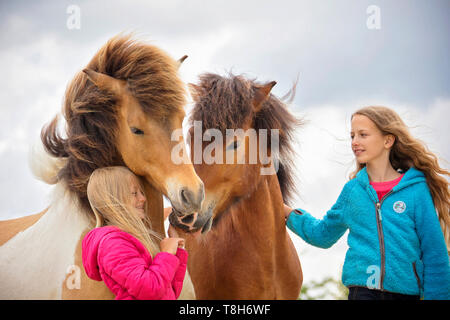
{"x": 89, "y": 253}
{"x": 412, "y": 176}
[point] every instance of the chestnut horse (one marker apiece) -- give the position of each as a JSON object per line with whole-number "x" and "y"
{"x": 247, "y": 254}
{"x": 120, "y": 110}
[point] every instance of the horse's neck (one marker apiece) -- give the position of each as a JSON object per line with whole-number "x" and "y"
{"x": 262, "y": 210}
{"x": 254, "y": 219}
{"x": 249, "y": 242}
{"x": 155, "y": 205}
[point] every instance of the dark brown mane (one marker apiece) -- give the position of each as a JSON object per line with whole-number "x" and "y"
{"x": 91, "y": 114}
{"x": 226, "y": 103}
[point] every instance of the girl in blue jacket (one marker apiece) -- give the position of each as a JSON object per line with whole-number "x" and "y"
{"x": 394, "y": 205}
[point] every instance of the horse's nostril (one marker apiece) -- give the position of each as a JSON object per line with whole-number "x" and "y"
{"x": 187, "y": 197}
{"x": 183, "y": 196}
{"x": 202, "y": 192}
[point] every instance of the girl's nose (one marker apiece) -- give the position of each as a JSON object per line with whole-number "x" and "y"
{"x": 142, "y": 197}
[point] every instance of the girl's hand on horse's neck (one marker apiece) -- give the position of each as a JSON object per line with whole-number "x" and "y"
{"x": 286, "y": 210}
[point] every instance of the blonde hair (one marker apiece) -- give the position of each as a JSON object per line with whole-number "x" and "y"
{"x": 109, "y": 194}
{"x": 408, "y": 151}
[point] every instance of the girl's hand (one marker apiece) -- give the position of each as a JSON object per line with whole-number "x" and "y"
{"x": 287, "y": 210}
{"x": 171, "y": 245}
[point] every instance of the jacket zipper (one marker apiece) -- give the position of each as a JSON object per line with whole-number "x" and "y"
{"x": 381, "y": 238}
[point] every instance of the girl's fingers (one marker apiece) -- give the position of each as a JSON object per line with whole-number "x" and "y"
{"x": 286, "y": 210}
{"x": 179, "y": 242}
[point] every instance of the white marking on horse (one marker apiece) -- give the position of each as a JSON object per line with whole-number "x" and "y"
{"x": 34, "y": 262}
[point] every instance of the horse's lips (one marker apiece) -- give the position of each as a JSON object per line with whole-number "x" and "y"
{"x": 177, "y": 213}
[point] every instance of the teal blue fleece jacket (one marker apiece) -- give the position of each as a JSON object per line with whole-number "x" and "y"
{"x": 395, "y": 244}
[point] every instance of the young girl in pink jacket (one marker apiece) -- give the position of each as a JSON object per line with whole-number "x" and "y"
{"x": 122, "y": 250}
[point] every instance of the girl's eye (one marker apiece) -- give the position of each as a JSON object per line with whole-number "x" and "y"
{"x": 134, "y": 193}
{"x": 136, "y": 131}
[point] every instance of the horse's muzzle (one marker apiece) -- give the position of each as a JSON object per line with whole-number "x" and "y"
{"x": 192, "y": 222}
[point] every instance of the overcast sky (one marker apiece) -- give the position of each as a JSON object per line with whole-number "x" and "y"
{"x": 342, "y": 65}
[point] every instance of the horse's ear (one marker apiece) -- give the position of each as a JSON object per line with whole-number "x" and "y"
{"x": 103, "y": 81}
{"x": 195, "y": 91}
{"x": 261, "y": 93}
{"x": 180, "y": 61}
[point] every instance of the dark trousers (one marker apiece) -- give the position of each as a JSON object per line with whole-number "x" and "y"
{"x": 362, "y": 293}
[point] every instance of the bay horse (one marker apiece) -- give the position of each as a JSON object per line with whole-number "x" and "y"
{"x": 120, "y": 110}
{"x": 247, "y": 254}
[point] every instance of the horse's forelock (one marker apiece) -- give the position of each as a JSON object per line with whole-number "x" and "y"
{"x": 150, "y": 73}
{"x": 91, "y": 114}
{"x": 226, "y": 102}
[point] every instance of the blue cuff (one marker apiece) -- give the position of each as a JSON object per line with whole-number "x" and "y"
{"x": 294, "y": 217}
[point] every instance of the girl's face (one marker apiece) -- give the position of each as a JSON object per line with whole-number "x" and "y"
{"x": 368, "y": 142}
{"x": 137, "y": 197}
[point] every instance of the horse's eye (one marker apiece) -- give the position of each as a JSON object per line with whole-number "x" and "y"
{"x": 136, "y": 130}
{"x": 233, "y": 146}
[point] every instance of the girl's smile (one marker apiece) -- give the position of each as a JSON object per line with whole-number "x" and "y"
{"x": 358, "y": 151}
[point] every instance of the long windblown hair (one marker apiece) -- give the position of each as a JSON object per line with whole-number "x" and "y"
{"x": 226, "y": 103}
{"x": 109, "y": 194}
{"x": 407, "y": 152}
{"x": 92, "y": 114}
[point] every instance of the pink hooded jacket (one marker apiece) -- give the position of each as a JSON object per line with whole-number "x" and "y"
{"x": 127, "y": 268}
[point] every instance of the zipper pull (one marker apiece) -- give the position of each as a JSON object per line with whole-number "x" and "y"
{"x": 379, "y": 210}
